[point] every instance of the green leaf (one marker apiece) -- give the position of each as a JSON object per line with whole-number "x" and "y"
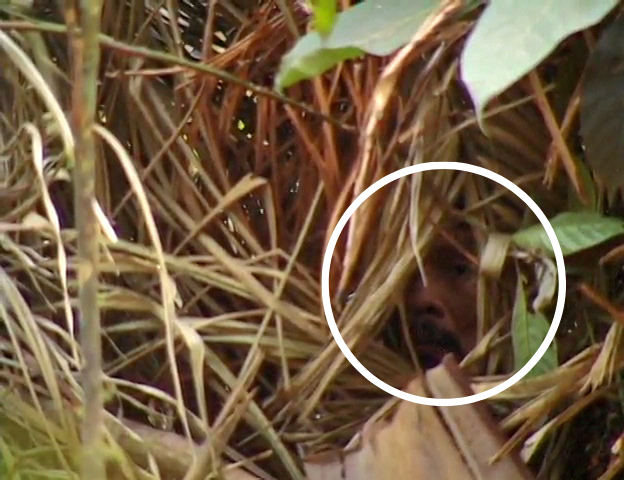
{"x": 513, "y": 36}
{"x": 576, "y": 231}
{"x": 373, "y": 26}
{"x": 602, "y": 118}
{"x": 324, "y": 16}
{"x": 528, "y": 332}
{"x": 588, "y": 184}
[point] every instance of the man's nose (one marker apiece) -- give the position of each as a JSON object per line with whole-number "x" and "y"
{"x": 428, "y": 305}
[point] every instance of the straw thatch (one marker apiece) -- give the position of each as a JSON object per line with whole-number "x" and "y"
{"x": 217, "y": 198}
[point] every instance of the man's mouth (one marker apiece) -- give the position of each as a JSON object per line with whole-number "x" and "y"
{"x": 433, "y": 343}
{"x": 430, "y": 356}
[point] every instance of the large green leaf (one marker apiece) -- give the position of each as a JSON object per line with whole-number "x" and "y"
{"x": 513, "y": 36}
{"x": 374, "y": 27}
{"x": 602, "y": 117}
{"x": 576, "y": 231}
{"x": 528, "y": 332}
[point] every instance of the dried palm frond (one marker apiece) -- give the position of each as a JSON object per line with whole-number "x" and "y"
{"x": 217, "y": 197}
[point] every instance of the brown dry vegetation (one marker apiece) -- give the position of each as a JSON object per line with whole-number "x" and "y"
{"x": 243, "y": 187}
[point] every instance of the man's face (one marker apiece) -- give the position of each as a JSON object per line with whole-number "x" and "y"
{"x": 442, "y": 313}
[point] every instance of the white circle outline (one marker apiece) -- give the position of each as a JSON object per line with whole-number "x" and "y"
{"x": 423, "y": 167}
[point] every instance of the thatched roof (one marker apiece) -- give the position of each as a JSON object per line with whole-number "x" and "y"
{"x": 217, "y": 198}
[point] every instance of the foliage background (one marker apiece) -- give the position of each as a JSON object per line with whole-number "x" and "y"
{"x": 218, "y": 195}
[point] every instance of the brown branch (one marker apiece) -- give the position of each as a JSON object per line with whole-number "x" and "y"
{"x": 86, "y": 60}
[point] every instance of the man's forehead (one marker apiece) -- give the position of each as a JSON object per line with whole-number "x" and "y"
{"x": 453, "y": 238}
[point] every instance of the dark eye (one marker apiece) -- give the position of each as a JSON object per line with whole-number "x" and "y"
{"x": 462, "y": 269}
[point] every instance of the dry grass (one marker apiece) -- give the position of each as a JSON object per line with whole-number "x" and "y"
{"x": 217, "y": 200}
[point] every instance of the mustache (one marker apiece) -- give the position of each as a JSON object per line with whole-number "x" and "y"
{"x": 425, "y": 331}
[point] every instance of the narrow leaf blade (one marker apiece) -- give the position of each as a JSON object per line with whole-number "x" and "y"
{"x": 528, "y": 332}
{"x": 576, "y": 231}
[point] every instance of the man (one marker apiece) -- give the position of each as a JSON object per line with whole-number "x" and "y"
{"x": 440, "y": 313}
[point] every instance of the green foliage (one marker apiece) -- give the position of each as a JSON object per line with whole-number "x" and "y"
{"x": 373, "y": 27}
{"x": 510, "y": 39}
{"x": 513, "y": 36}
{"x": 602, "y": 118}
{"x": 529, "y": 329}
{"x": 324, "y": 16}
{"x": 576, "y": 231}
